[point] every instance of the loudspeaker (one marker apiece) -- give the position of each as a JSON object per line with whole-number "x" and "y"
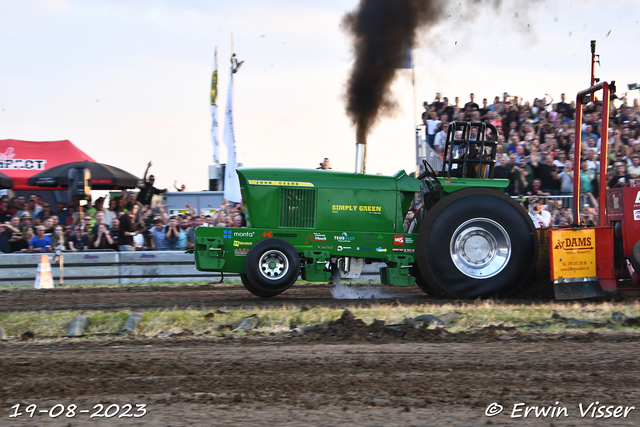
{"x": 216, "y": 177}
{"x": 79, "y": 183}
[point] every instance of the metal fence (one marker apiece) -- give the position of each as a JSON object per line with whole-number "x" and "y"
{"x": 425, "y": 152}
{"x": 109, "y": 267}
{"x": 552, "y": 203}
{"x": 104, "y": 267}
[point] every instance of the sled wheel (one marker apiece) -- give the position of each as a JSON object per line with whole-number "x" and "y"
{"x": 271, "y": 267}
{"x": 635, "y": 257}
{"x": 476, "y": 243}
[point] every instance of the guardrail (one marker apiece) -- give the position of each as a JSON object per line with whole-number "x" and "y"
{"x": 90, "y": 267}
{"x": 93, "y": 268}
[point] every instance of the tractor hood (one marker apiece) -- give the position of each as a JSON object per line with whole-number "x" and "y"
{"x": 327, "y": 179}
{"x": 328, "y": 200}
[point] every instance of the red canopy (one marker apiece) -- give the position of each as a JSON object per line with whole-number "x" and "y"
{"x": 21, "y": 159}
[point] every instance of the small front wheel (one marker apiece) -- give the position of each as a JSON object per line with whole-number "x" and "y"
{"x": 251, "y": 288}
{"x": 272, "y": 266}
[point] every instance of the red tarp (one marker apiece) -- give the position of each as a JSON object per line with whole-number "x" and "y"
{"x": 22, "y": 159}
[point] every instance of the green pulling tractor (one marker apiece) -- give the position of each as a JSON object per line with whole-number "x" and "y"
{"x": 468, "y": 239}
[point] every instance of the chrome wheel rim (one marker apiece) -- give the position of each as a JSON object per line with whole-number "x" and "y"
{"x": 273, "y": 265}
{"x": 480, "y": 248}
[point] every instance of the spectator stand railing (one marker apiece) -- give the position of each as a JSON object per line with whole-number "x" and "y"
{"x": 555, "y": 202}
{"x": 425, "y": 152}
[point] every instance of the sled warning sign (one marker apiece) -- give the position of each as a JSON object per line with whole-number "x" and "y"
{"x": 573, "y": 253}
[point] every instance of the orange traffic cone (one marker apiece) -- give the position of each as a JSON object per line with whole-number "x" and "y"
{"x": 44, "y": 279}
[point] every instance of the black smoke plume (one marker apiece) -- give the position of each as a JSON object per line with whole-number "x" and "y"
{"x": 382, "y": 31}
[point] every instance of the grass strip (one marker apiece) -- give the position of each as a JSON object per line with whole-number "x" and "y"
{"x": 477, "y": 314}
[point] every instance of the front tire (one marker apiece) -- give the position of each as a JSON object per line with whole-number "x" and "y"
{"x": 251, "y": 288}
{"x": 476, "y": 243}
{"x": 272, "y": 266}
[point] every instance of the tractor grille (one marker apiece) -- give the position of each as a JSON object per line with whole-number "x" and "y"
{"x": 297, "y": 207}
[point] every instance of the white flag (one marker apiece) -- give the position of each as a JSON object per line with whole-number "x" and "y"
{"x": 231, "y": 182}
{"x": 214, "y": 109}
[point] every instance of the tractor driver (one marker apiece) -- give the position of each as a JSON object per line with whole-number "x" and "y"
{"x": 473, "y": 154}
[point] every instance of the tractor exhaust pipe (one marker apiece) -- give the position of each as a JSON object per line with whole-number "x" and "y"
{"x": 361, "y": 157}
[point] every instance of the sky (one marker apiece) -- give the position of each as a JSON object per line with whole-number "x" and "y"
{"x": 128, "y": 82}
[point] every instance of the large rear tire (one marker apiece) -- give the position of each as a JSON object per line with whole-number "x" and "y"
{"x": 475, "y": 243}
{"x": 272, "y": 266}
{"x": 420, "y": 282}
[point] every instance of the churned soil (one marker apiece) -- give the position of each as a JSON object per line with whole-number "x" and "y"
{"x": 343, "y": 373}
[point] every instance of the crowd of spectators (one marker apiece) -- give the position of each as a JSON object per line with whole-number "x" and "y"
{"x": 127, "y": 222}
{"x": 536, "y": 146}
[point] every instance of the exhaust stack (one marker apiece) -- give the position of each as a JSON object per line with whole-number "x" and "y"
{"x": 361, "y": 157}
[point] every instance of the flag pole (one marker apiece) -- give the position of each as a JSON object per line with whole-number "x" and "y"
{"x": 216, "y": 178}
{"x": 413, "y": 84}
{"x": 231, "y": 182}
{"x": 415, "y": 112}
{"x": 214, "y": 110}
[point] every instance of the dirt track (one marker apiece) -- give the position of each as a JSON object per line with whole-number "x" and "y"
{"x": 148, "y": 297}
{"x": 346, "y": 374}
{"x": 436, "y": 379}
